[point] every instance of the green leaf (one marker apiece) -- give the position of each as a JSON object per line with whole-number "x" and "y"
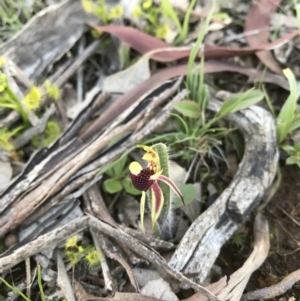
{"x": 288, "y": 149}
{"x": 240, "y": 101}
{"x": 185, "y": 26}
{"x": 189, "y": 193}
{"x": 108, "y": 170}
{"x": 119, "y": 166}
{"x": 188, "y": 108}
{"x": 116, "y": 168}
{"x": 112, "y": 185}
{"x": 295, "y": 125}
{"x": 169, "y": 11}
{"x": 292, "y": 160}
{"x": 297, "y": 148}
{"x": 286, "y": 116}
{"x": 127, "y": 184}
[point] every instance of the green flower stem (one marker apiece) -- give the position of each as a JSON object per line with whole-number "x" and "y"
{"x": 14, "y": 289}
{"x": 18, "y": 106}
{"x": 162, "y": 152}
{"x": 39, "y": 273}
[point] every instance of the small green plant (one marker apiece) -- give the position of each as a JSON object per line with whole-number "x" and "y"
{"x": 33, "y": 98}
{"x": 6, "y": 136}
{"x": 195, "y": 130}
{"x": 203, "y": 137}
{"x": 75, "y": 252}
{"x": 239, "y": 240}
{"x": 155, "y": 13}
{"x": 118, "y": 178}
{"x": 101, "y": 10}
{"x": 32, "y": 101}
{"x": 52, "y": 90}
{"x": 9, "y": 100}
{"x": 294, "y": 154}
{"x": 288, "y": 119}
{"x": 51, "y": 133}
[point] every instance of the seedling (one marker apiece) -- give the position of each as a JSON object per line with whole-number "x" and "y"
{"x": 32, "y": 101}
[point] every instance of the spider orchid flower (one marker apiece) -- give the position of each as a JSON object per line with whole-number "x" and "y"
{"x": 148, "y": 178}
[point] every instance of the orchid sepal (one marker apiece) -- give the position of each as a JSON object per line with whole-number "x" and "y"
{"x": 142, "y": 210}
{"x": 157, "y": 201}
{"x": 172, "y": 185}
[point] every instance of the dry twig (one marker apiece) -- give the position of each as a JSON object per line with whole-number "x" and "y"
{"x": 274, "y": 290}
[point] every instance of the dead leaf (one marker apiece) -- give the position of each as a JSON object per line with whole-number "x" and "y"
{"x": 125, "y": 80}
{"x": 259, "y": 19}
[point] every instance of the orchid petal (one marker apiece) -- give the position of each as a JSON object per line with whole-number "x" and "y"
{"x": 151, "y": 155}
{"x": 156, "y": 175}
{"x": 172, "y": 185}
{"x": 157, "y": 201}
{"x": 135, "y": 168}
{"x": 146, "y": 148}
{"x": 142, "y": 210}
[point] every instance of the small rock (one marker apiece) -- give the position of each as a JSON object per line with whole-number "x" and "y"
{"x": 159, "y": 289}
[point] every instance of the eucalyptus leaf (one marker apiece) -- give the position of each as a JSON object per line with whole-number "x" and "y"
{"x": 112, "y": 185}
{"x": 188, "y": 108}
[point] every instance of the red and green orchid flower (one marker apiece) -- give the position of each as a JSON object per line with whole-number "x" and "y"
{"x": 148, "y": 178}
